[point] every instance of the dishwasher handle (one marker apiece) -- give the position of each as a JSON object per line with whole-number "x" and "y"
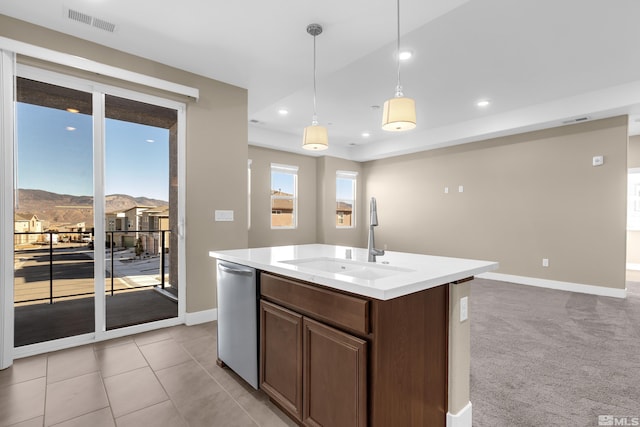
{"x": 233, "y": 270}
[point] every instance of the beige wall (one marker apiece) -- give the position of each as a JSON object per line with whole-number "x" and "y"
{"x": 316, "y": 204}
{"x": 634, "y": 152}
{"x": 326, "y": 181}
{"x": 216, "y": 153}
{"x": 260, "y": 233}
{"x": 526, "y": 197}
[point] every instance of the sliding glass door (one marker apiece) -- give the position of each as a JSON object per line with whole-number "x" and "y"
{"x": 96, "y": 208}
{"x": 141, "y": 139}
{"x": 53, "y": 213}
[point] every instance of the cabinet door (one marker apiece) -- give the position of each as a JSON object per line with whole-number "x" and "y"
{"x": 335, "y": 383}
{"x": 281, "y": 357}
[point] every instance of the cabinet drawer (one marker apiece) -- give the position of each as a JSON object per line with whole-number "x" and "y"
{"x": 331, "y": 307}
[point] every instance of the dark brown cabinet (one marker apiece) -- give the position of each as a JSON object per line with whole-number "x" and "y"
{"x": 281, "y": 357}
{"x": 334, "y": 359}
{"x": 334, "y": 379}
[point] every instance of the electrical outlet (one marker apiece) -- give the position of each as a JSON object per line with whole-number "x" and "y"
{"x": 545, "y": 262}
{"x": 446, "y": 190}
{"x": 460, "y": 188}
{"x": 464, "y": 308}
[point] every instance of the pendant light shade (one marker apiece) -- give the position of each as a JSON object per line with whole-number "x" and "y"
{"x": 315, "y": 136}
{"x": 399, "y": 113}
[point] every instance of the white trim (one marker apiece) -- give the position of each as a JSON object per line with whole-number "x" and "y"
{"x": 99, "y": 262}
{"x": 95, "y": 67}
{"x": 63, "y": 343}
{"x": 182, "y": 206}
{"x": 632, "y": 266}
{"x": 277, "y": 167}
{"x": 346, "y": 174}
{"x": 462, "y": 418}
{"x": 7, "y": 123}
{"x": 203, "y": 316}
{"x": 555, "y": 284}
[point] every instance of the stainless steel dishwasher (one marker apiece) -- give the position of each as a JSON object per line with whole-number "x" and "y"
{"x": 238, "y": 319}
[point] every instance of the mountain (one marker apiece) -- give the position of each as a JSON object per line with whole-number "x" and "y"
{"x": 58, "y": 209}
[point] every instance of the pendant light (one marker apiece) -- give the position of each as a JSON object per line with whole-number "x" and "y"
{"x": 399, "y": 113}
{"x": 315, "y": 136}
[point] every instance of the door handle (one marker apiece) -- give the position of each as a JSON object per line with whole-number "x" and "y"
{"x": 232, "y": 270}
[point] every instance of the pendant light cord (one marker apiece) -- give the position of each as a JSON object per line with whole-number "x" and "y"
{"x": 399, "y": 86}
{"x": 315, "y": 115}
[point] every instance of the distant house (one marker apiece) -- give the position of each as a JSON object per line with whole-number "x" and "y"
{"x": 281, "y": 209}
{"x": 155, "y": 220}
{"x": 27, "y": 223}
{"x": 144, "y": 222}
{"x": 344, "y": 214}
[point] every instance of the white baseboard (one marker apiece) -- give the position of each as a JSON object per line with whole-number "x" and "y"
{"x": 632, "y": 266}
{"x": 555, "y": 284}
{"x": 461, "y": 419}
{"x": 198, "y": 317}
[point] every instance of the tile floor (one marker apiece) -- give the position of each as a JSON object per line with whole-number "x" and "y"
{"x": 166, "y": 377}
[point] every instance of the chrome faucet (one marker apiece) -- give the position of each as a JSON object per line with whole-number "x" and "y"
{"x": 373, "y": 222}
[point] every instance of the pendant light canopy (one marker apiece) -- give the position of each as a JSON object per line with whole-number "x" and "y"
{"x": 399, "y": 113}
{"x": 315, "y": 136}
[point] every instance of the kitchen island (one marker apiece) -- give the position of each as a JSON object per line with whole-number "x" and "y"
{"x": 345, "y": 342}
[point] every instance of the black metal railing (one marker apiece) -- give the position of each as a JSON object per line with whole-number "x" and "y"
{"x": 32, "y": 240}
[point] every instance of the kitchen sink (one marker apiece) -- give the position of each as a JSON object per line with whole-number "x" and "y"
{"x": 356, "y": 269}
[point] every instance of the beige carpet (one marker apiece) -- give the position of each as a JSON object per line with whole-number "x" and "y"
{"x": 541, "y": 357}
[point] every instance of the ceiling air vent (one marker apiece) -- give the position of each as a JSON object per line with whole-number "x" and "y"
{"x": 80, "y": 17}
{"x": 90, "y": 20}
{"x": 104, "y": 25}
{"x": 577, "y": 120}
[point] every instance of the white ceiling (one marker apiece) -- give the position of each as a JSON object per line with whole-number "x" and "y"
{"x": 540, "y": 62}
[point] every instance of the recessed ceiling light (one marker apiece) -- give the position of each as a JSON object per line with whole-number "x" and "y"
{"x": 73, "y": 110}
{"x": 70, "y": 128}
{"x": 405, "y": 55}
{"x": 283, "y": 112}
{"x": 150, "y": 140}
{"x": 366, "y": 134}
{"x": 483, "y": 103}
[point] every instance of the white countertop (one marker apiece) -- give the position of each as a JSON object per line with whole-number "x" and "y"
{"x": 413, "y": 273}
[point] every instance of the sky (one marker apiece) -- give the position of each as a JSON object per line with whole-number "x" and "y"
{"x": 285, "y": 182}
{"x": 55, "y": 153}
{"x": 344, "y": 189}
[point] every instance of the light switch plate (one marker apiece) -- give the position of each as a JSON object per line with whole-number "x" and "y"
{"x": 223, "y": 215}
{"x": 598, "y": 160}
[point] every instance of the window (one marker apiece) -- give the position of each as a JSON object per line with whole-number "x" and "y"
{"x": 284, "y": 196}
{"x": 346, "y": 199}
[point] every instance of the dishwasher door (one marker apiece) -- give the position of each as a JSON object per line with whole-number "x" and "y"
{"x": 238, "y": 320}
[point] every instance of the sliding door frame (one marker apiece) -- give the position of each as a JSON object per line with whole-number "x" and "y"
{"x": 9, "y": 70}
{"x": 7, "y": 123}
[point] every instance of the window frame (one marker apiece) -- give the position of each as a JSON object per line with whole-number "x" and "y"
{"x": 353, "y": 177}
{"x": 290, "y": 170}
